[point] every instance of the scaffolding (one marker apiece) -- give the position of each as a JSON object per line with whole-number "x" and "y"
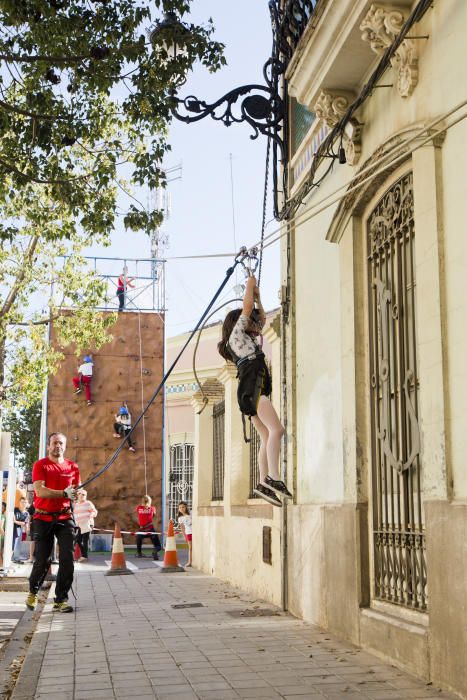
{"x": 147, "y": 275}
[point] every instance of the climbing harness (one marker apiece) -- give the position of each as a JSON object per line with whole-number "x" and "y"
{"x": 239, "y": 258}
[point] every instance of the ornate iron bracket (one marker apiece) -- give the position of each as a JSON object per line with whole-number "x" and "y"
{"x": 262, "y": 110}
{"x": 261, "y": 106}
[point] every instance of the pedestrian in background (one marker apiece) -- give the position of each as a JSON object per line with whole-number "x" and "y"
{"x": 84, "y": 512}
{"x": 184, "y": 521}
{"x": 20, "y": 520}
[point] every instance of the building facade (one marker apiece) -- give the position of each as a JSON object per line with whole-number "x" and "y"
{"x": 370, "y": 372}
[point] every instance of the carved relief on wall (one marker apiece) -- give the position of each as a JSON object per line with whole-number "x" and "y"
{"x": 380, "y": 27}
{"x": 330, "y": 107}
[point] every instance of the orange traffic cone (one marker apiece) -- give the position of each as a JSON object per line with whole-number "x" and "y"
{"x": 170, "y": 564}
{"x": 118, "y": 564}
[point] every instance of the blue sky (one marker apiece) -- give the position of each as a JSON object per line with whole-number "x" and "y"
{"x": 201, "y": 221}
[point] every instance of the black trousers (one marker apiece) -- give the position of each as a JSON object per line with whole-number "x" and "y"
{"x": 122, "y": 431}
{"x": 83, "y": 542}
{"x": 156, "y": 543}
{"x": 44, "y": 533}
{"x": 121, "y": 299}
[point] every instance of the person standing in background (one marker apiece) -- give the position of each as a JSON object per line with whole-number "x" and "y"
{"x": 123, "y": 283}
{"x": 84, "y": 512}
{"x": 184, "y": 522}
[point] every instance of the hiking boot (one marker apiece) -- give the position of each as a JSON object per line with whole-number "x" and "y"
{"x": 31, "y": 601}
{"x": 62, "y": 607}
{"x": 278, "y": 486}
{"x": 267, "y": 495}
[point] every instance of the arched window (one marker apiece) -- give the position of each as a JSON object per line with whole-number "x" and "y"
{"x": 399, "y": 564}
{"x": 182, "y": 458}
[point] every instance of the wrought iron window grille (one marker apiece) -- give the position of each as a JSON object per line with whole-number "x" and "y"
{"x": 218, "y": 448}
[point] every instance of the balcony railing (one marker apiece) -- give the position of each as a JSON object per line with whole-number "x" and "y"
{"x": 294, "y": 17}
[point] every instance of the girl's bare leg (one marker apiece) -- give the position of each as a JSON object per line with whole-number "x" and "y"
{"x": 190, "y": 545}
{"x": 262, "y": 455}
{"x": 270, "y": 420}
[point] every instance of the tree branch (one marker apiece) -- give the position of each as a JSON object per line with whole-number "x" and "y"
{"x": 10, "y": 108}
{"x": 14, "y": 169}
{"x": 14, "y": 291}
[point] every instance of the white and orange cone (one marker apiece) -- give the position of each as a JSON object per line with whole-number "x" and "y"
{"x": 118, "y": 564}
{"x": 170, "y": 564}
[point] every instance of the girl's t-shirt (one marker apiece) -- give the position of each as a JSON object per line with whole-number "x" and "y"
{"x": 85, "y": 513}
{"x": 240, "y": 342}
{"x": 185, "y": 520}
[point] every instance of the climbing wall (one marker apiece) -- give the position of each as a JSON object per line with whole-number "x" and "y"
{"x": 118, "y": 377}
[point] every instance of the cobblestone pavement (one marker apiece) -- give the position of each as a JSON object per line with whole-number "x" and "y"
{"x": 127, "y": 640}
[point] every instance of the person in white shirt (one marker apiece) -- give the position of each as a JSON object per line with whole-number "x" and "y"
{"x": 84, "y": 512}
{"x": 184, "y": 521}
{"x": 122, "y": 426}
{"x": 84, "y": 378}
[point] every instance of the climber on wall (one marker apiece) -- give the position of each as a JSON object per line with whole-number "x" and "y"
{"x": 84, "y": 378}
{"x": 122, "y": 425}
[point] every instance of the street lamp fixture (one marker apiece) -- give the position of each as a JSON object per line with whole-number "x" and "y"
{"x": 261, "y": 106}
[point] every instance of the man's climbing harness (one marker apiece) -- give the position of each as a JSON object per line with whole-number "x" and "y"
{"x": 239, "y": 260}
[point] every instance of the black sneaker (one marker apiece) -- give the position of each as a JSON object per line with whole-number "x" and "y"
{"x": 140, "y": 555}
{"x": 267, "y": 495}
{"x": 278, "y": 486}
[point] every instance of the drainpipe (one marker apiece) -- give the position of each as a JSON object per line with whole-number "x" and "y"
{"x": 285, "y": 303}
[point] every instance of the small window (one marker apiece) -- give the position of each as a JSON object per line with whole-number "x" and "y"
{"x": 301, "y": 121}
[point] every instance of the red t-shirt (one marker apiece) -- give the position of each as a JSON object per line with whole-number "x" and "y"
{"x": 55, "y": 476}
{"x": 145, "y": 515}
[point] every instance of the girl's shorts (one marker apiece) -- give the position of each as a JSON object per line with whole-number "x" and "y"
{"x": 188, "y": 538}
{"x": 254, "y": 381}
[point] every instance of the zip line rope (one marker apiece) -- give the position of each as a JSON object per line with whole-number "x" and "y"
{"x": 240, "y": 257}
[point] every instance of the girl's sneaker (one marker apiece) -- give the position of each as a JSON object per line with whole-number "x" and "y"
{"x": 278, "y": 486}
{"x": 267, "y": 495}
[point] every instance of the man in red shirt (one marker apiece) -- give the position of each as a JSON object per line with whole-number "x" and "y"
{"x": 55, "y": 480}
{"x": 146, "y": 514}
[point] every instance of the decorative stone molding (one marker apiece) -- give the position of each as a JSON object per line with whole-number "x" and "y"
{"x": 380, "y": 27}
{"x": 353, "y": 141}
{"x": 330, "y": 107}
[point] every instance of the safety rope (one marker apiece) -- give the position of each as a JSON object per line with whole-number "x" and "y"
{"x": 238, "y": 259}
{"x": 142, "y": 403}
{"x": 265, "y": 203}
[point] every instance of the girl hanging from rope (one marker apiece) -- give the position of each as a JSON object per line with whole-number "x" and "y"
{"x": 240, "y": 345}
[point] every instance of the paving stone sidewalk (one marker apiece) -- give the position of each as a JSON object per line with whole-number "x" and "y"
{"x": 126, "y": 640}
